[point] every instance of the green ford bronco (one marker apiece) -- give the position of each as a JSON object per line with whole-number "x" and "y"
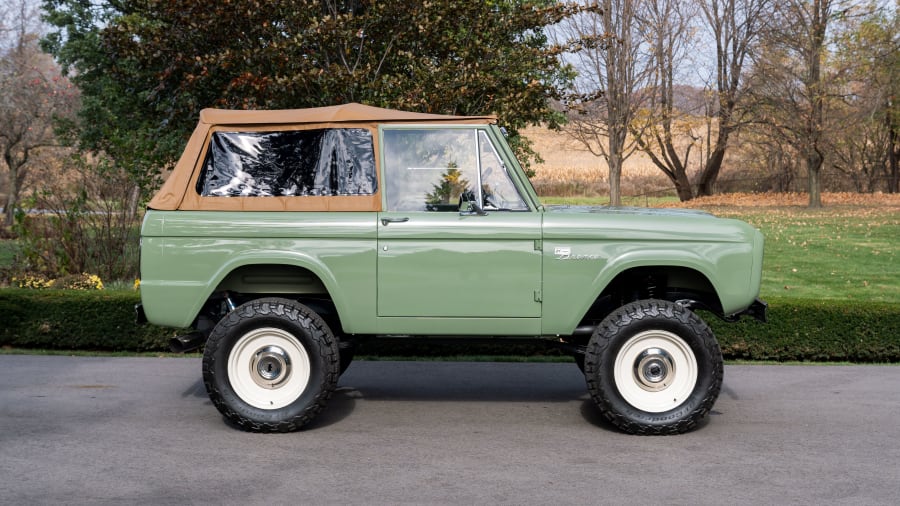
{"x": 284, "y": 238}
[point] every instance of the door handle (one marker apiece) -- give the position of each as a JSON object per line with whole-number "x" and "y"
{"x": 385, "y": 221}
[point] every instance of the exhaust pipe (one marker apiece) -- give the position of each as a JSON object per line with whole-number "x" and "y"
{"x": 186, "y": 343}
{"x": 584, "y": 330}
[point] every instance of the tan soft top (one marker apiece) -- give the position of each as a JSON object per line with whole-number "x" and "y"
{"x": 347, "y": 113}
{"x": 176, "y": 192}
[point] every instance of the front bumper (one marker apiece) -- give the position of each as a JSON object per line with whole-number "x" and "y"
{"x": 759, "y": 310}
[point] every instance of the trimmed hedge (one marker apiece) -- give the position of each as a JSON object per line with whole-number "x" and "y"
{"x": 815, "y": 330}
{"x": 806, "y": 330}
{"x": 76, "y": 320}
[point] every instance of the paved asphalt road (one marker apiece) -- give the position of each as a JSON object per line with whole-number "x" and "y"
{"x": 142, "y": 431}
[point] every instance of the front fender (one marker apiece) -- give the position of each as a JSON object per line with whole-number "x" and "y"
{"x": 724, "y": 265}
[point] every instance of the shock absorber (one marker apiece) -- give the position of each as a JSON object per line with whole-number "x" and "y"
{"x": 228, "y": 302}
{"x": 651, "y": 287}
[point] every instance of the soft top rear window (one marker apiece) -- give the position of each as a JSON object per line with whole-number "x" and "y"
{"x": 319, "y": 162}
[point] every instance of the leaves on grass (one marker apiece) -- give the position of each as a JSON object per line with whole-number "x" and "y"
{"x": 855, "y": 204}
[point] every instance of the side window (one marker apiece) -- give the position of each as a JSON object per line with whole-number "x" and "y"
{"x": 429, "y": 170}
{"x": 497, "y": 189}
{"x": 331, "y": 161}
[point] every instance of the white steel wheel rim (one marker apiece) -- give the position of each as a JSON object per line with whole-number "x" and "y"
{"x": 655, "y": 371}
{"x": 268, "y": 368}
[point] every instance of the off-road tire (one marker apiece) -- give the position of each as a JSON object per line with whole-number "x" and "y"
{"x": 651, "y": 333}
{"x": 289, "y": 336}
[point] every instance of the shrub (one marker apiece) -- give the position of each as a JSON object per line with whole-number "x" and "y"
{"x": 83, "y": 281}
{"x": 32, "y": 281}
{"x": 89, "y": 221}
{"x": 76, "y": 320}
{"x": 815, "y": 330}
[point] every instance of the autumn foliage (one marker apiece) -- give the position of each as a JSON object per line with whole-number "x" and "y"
{"x": 886, "y": 202}
{"x": 157, "y": 63}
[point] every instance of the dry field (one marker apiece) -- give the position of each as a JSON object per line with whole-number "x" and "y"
{"x": 569, "y": 169}
{"x": 559, "y": 150}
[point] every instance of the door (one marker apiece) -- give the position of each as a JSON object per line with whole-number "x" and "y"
{"x": 433, "y": 259}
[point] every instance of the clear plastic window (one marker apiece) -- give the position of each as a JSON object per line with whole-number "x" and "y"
{"x": 497, "y": 189}
{"x": 434, "y": 169}
{"x": 320, "y": 162}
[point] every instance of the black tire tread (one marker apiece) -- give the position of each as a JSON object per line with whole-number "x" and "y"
{"x": 611, "y": 331}
{"x": 294, "y": 313}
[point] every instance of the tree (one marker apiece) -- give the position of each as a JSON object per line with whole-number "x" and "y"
{"x": 664, "y": 24}
{"x": 870, "y": 49}
{"x": 669, "y": 134}
{"x": 147, "y": 68}
{"x": 797, "y": 88}
{"x": 604, "y": 100}
{"x": 32, "y": 92}
{"x": 736, "y": 26}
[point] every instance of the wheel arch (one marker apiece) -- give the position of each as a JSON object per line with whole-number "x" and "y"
{"x": 268, "y": 272}
{"x": 632, "y": 281}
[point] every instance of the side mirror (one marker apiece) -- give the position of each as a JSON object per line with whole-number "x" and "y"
{"x": 468, "y": 206}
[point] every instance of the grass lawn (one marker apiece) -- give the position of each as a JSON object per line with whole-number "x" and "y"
{"x": 850, "y": 249}
{"x": 830, "y": 255}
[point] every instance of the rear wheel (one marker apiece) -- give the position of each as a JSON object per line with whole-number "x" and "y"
{"x": 654, "y": 367}
{"x": 270, "y": 365}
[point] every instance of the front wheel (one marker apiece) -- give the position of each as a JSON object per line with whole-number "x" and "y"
{"x": 654, "y": 367}
{"x": 270, "y": 365}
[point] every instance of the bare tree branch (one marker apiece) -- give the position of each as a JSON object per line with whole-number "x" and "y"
{"x": 606, "y": 97}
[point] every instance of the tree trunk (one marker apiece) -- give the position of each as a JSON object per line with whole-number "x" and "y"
{"x": 706, "y": 183}
{"x": 615, "y": 175}
{"x": 9, "y": 208}
{"x": 813, "y": 169}
{"x": 614, "y": 105}
{"x": 12, "y": 199}
{"x": 815, "y": 88}
{"x": 683, "y": 187}
{"x": 616, "y": 148}
{"x": 893, "y": 183}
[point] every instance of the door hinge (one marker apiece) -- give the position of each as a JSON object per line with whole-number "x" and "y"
{"x": 538, "y": 245}
{"x": 537, "y": 296}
